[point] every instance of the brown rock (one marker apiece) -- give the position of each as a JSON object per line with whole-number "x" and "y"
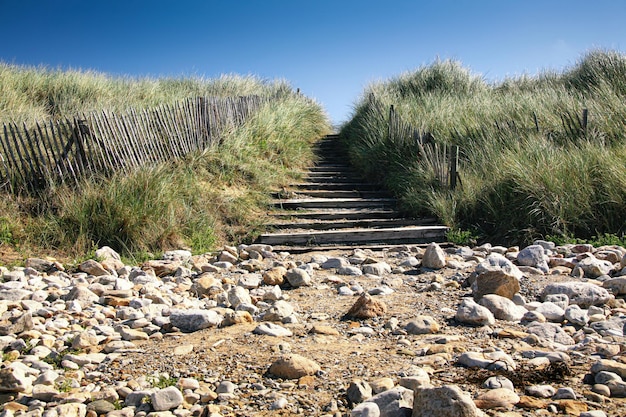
{"x": 495, "y": 282}
{"x": 572, "y": 407}
{"x": 307, "y": 381}
{"x": 203, "y": 286}
{"x": 293, "y": 367}
{"x": 324, "y": 329}
{"x": 275, "y": 276}
{"x": 531, "y": 403}
{"x": 445, "y": 401}
{"x": 92, "y": 267}
{"x": 497, "y": 398}
{"x": 162, "y": 268}
{"x": 237, "y": 317}
{"x": 16, "y": 325}
{"x": 367, "y": 307}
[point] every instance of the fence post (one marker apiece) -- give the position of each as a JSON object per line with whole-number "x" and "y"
{"x": 585, "y": 119}
{"x": 392, "y": 114}
{"x": 454, "y": 166}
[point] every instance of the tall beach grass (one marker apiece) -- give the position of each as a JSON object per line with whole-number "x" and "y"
{"x": 208, "y": 199}
{"x": 529, "y": 167}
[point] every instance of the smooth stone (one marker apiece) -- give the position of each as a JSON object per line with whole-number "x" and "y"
{"x": 498, "y": 381}
{"x": 378, "y": 268}
{"x": 583, "y": 294}
{"x": 280, "y": 310}
{"x": 358, "y": 391}
{"x": 166, "y": 399}
{"x": 272, "y": 329}
{"x": 593, "y": 267}
{"x": 564, "y": 393}
{"x": 334, "y": 263}
{"x": 617, "y": 388}
{"x": 275, "y": 276}
{"x": 497, "y": 398}
{"x": 502, "y": 308}
{"x": 533, "y": 255}
{"x": 396, "y": 402}
{"x": 14, "y": 380}
{"x": 417, "y": 380}
{"x": 238, "y": 295}
{"x": 293, "y": 367}
{"x": 349, "y": 271}
{"x": 298, "y": 277}
{"x": 226, "y": 387}
{"x": 434, "y": 257}
{"x": 422, "y": 325}
{"x": 603, "y": 377}
{"x": 576, "y": 315}
{"x": 616, "y": 285}
{"x": 366, "y": 409}
{"x": 540, "y": 391}
{"x": 195, "y": 319}
{"x": 551, "y": 332}
{"x": 551, "y": 311}
{"x": 445, "y": 401}
{"x": 470, "y": 312}
{"x": 496, "y": 360}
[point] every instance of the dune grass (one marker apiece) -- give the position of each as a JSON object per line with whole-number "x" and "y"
{"x": 529, "y": 168}
{"x": 208, "y": 199}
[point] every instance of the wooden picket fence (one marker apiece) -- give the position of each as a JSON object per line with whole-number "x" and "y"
{"x": 101, "y": 143}
{"x": 442, "y": 160}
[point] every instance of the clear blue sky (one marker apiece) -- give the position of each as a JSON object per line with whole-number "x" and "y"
{"x": 330, "y": 49}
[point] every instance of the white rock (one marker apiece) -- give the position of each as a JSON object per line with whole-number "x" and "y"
{"x": 551, "y": 312}
{"x": 298, "y": 277}
{"x": 534, "y": 255}
{"x": 582, "y": 293}
{"x": 379, "y": 268}
{"x": 469, "y": 312}
{"x": 271, "y": 329}
{"x": 502, "y": 308}
{"x": 166, "y": 399}
{"x": 434, "y": 257}
{"x": 496, "y": 360}
{"x": 576, "y": 315}
{"x": 238, "y": 295}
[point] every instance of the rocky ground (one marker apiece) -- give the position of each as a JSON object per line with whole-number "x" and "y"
{"x": 408, "y": 331}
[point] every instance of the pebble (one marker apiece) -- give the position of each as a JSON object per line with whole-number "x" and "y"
{"x": 61, "y": 331}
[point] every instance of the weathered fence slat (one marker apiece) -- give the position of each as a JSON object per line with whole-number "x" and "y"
{"x": 102, "y": 143}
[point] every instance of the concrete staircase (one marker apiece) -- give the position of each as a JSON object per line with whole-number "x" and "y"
{"x": 333, "y": 208}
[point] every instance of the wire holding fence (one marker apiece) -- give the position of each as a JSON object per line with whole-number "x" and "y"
{"x": 47, "y": 153}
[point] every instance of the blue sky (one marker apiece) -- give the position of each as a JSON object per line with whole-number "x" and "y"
{"x": 331, "y": 50}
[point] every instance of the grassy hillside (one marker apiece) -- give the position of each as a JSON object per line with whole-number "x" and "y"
{"x": 40, "y": 93}
{"x": 528, "y": 168}
{"x": 210, "y": 198}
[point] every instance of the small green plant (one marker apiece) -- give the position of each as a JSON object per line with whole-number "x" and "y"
{"x": 118, "y": 405}
{"x": 6, "y": 233}
{"x": 162, "y": 381}
{"x": 608, "y": 239}
{"x": 461, "y": 237}
{"x": 65, "y": 385}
